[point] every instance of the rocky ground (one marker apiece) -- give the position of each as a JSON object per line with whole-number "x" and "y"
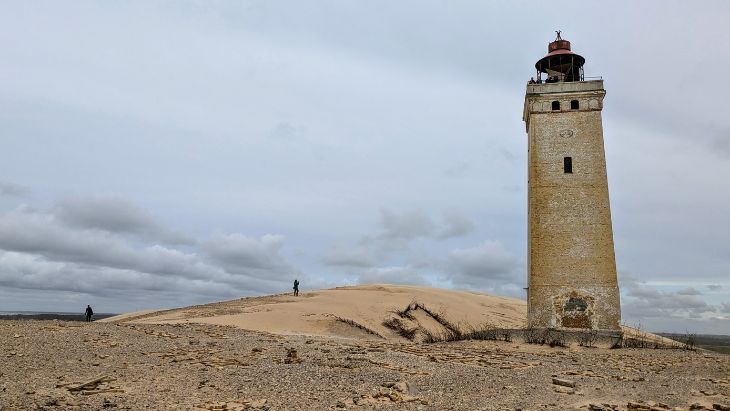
{"x": 52, "y": 365}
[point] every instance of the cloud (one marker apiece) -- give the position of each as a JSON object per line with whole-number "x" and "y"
{"x": 26, "y": 271}
{"x": 284, "y": 131}
{"x": 392, "y": 275}
{"x": 455, "y": 225}
{"x": 59, "y": 249}
{"x": 714, "y": 287}
{"x": 405, "y": 225}
{"x": 720, "y": 144}
{"x": 643, "y": 301}
{"x": 255, "y": 257}
{"x": 393, "y": 236}
{"x": 688, "y": 291}
{"x": 27, "y": 230}
{"x": 115, "y": 215}
{"x": 11, "y": 189}
{"x": 488, "y": 264}
{"x": 357, "y": 256}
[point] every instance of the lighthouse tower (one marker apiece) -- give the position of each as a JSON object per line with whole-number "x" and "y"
{"x": 571, "y": 264}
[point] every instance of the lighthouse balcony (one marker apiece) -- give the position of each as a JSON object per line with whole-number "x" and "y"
{"x": 565, "y": 87}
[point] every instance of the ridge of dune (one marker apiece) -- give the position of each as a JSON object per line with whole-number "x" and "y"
{"x": 127, "y": 316}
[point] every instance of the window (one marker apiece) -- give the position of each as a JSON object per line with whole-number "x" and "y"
{"x": 556, "y": 105}
{"x": 574, "y": 105}
{"x": 568, "y": 165}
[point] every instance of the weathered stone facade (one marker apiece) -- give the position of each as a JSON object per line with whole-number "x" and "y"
{"x": 571, "y": 264}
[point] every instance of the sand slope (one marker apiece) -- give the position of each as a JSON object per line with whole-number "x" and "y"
{"x": 357, "y": 311}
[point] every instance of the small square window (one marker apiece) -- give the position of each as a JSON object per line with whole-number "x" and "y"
{"x": 574, "y": 105}
{"x": 568, "y": 165}
{"x": 556, "y": 105}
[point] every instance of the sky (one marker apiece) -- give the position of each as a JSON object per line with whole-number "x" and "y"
{"x": 159, "y": 154}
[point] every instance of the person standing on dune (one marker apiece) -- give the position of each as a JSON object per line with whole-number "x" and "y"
{"x": 89, "y": 313}
{"x": 296, "y": 287}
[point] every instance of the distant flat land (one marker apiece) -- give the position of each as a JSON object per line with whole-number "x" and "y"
{"x": 717, "y": 343}
{"x": 53, "y": 316}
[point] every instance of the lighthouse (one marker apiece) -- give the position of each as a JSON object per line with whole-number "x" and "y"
{"x": 572, "y": 280}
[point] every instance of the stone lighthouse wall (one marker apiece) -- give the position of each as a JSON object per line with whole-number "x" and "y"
{"x": 571, "y": 264}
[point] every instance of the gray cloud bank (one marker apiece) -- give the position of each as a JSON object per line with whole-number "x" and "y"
{"x": 108, "y": 247}
{"x": 644, "y": 305}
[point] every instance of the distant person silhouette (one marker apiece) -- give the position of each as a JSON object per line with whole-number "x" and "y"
{"x": 296, "y": 288}
{"x": 89, "y": 313}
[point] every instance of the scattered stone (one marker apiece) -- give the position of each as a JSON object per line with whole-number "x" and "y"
{"x": 564, "y": 383}
{"x": 97, "y": 385}
{"x": 563, "y": 390}
{"x": 257, "y": 404}
{"x": 400, "y": 386}
{"x": 638, "y": 405}
{"x": 292, "y": 357}
{"x": 237, "y": 405}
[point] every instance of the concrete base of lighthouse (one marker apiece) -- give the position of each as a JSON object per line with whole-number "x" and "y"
{"x": 570, "y": 307}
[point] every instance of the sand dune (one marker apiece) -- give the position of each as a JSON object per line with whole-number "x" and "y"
{"x": 357, "y": 311}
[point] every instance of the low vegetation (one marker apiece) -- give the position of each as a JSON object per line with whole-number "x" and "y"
{"x": 401, "y": 328}
{"x": 545, "y": 336}
{"x": 358, "y": 326}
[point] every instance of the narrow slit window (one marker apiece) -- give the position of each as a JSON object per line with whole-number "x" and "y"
{"x": 568, "y": 165}
{"x": 574, "y": 105}
{"x": 556, "y": 105}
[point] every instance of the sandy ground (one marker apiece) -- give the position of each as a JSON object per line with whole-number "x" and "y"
{"x": 324, "y": 312}
{"x": 195, "y": 363}
{"x": 319, "y": 313}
